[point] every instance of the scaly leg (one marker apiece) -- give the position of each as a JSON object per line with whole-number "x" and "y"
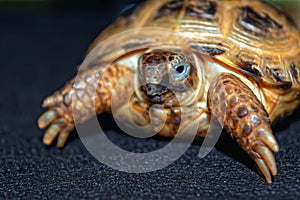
{"x": 78, "y": 100}
{"x": 243, "y": 116}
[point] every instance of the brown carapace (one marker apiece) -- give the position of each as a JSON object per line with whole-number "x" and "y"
{"x": 243, "y": 69}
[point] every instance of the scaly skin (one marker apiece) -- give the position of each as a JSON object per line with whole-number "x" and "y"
{"x": 244, "y": 117}
{"x": 89, "y": 94}
{"x": 232, "y": 102}
{"x": 248, "y": 38}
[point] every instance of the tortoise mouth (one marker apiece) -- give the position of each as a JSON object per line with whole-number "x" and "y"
{"x": 156, "y": 93}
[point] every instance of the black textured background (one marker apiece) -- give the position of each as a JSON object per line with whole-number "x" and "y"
{"x": 39, "y": 52}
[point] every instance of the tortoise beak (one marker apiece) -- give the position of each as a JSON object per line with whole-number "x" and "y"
{"x": 156, "y": 93}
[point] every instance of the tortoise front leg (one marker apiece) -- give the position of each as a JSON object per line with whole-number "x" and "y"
{"x": 79, "y": 100}
{"x": 243, "y": 116}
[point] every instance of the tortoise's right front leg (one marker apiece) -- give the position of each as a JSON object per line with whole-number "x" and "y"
{"x": 79, "y": 100}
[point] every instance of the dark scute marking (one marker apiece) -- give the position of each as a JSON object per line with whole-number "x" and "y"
{"x": 201, "y": 9}
{"x": 242, "y": 111}
{"x": 249, "y": 67}
{"x": 170, "y": 8}
{"x": 285, "y": 85}
{"x": 275, "y": 73}
{"x": 294, "y": 72}
{"x": 258, "y": 22}
{"x": 212, "y": 51}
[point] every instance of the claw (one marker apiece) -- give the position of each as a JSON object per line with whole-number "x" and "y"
{"x": 49, "y": 101}
{"x": 46, "y": 118}
{"x": 51, "y": 133}
{"x": 263, "y": 169}
{"x": 63, "y": 136}
{"x": 267, "y": 157}
{"x": 269, "y": 139}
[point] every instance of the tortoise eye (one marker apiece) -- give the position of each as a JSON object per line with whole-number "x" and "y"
{"x": 181, "y": 71}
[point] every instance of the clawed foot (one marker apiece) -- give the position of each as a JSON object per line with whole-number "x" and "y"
{"x": 263, "y": 155}
{"x": 59, "y": 121}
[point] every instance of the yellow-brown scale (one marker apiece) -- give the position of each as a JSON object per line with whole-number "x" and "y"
{"x": 81, "y": 98}
{"x": 244, "y": 117}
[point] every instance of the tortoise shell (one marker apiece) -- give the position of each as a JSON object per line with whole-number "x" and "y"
{"x": 249, "y": 77}
{"x": 251, "y": 37}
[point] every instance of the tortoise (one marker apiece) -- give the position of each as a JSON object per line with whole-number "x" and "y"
{"x": 243, "y": 66}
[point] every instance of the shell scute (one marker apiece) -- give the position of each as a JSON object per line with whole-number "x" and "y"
{"x": 258, "y": 22}
{"x": 201, "y": 9}
{"x": 171, "y": 8}
{"x": 295, "y": 72}
{"x": 248, "y": 36}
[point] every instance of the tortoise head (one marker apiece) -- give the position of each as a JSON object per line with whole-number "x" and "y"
{"x": 166, "y": 75}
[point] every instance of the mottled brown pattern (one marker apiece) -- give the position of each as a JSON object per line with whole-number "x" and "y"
{"x": 201, "y": 9}
{"x": 171, "y": 8}
{"x": 251, "y": 68}
{"x": 81, "y": 98}
{"x": 245, "y": 118}
{"x": 295, "y": 72}
{"x": 212, "y": 51}
{"x": 279, "y": 77}
{"x": 248, "y": 66}
{"x": 258, "y": 22}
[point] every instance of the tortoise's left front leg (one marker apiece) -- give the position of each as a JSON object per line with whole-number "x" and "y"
{"x": 243, "y": 116}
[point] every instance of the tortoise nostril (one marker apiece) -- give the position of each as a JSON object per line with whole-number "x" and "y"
{"x": 149, "y": 89}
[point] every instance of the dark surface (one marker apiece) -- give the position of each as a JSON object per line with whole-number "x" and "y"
{"x": 39, "y": 52}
